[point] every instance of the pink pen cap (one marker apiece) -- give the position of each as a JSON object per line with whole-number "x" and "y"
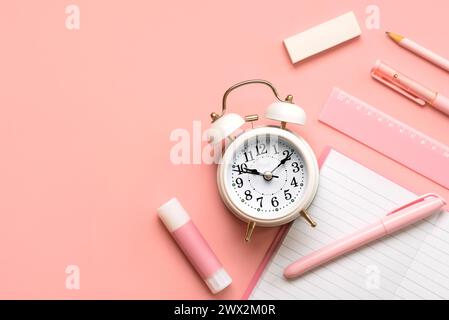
{"x": 194, "y": 246}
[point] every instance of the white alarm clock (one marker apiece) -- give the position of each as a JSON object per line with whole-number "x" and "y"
{"x": 267, "y": 176}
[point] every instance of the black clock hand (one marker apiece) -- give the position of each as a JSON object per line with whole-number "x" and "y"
{"x": 253, "y": 171}
{"x": 288, "y": 157}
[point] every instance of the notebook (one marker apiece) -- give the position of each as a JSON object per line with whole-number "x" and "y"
{"x": 410, "y": 264}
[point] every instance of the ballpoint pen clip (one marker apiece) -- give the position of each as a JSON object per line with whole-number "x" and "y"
{"x": 414, "y": 202}
{"x": 396, "y": 87}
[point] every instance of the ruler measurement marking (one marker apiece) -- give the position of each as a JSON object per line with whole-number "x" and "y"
{"x": 415, "y": 149}
{"x": 371, "y": 111}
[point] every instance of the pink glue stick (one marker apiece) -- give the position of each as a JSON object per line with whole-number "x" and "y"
{"x": 194, "y": 246}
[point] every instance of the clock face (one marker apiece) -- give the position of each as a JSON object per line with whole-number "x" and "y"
{"x": 266, "y": 177}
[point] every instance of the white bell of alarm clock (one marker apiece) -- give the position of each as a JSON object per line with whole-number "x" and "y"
{"x": 268, "y": 175}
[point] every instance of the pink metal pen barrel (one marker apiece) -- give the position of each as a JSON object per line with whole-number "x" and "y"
{"x": 417, "y": 210}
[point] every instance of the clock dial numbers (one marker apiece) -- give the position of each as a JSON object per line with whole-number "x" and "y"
{"x": 241, "y": 168}
{"x": 260, "y": 199}
{"x": 239, "y": 182}
{"x": 261, "y": 149}
{"x": 295, "y": 166}
{"x": 256, "y": 190}
{"x": 294, "y": 183}
{"x": 248, "y": 156}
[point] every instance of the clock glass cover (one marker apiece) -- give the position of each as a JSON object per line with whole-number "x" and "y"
{"x": 266, "y": 177}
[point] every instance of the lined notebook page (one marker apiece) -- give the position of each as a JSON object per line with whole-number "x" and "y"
{"x": 428, "y": 276}
{"x": 349, "y": 197}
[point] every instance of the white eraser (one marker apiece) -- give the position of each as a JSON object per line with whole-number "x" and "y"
{"x": 322, "y": 37}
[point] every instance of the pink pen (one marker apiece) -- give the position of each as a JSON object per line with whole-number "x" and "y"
{"x": 408, "y": 214}
{"x": 409, "y": 88}
{"x": 194, "y": 246}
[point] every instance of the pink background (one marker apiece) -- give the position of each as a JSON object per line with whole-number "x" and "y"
{"x": 85, "y": 119}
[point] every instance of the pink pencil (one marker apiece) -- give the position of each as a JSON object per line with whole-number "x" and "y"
{"x": 419, "y": 50}
{"x": 408, "y": 214}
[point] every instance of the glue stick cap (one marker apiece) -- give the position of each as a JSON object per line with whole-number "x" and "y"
{"x": 194, "y": 246}
{"x": 173, "y": 215}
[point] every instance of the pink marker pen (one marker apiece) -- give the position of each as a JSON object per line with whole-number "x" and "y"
{"x": 193, "y": 245}
{"x": 394, "y": 221}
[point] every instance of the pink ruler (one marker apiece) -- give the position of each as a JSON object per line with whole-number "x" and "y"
{"x": 387, "y": 135}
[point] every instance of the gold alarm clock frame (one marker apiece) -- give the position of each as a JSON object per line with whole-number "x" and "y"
{"x": 281, "y": 131}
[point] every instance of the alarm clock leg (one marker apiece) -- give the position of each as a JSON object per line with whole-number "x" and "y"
{"x": 308, "y": 218}
{"x": 249, "y": 230}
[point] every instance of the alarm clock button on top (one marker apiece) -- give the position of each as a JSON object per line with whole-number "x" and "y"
{"x": 286, "y": 112}
{"x": 224, "y": 126}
